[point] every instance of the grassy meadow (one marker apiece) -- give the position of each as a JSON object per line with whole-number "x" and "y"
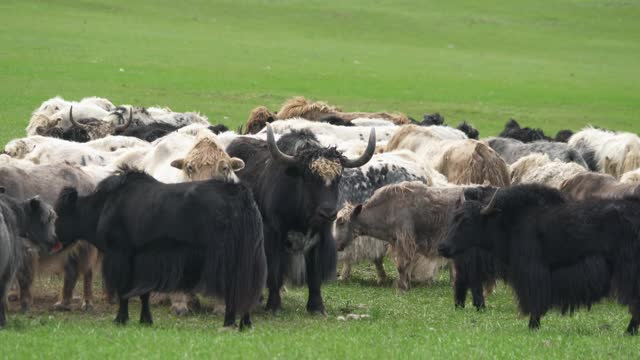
{"x": 549, "y": 64}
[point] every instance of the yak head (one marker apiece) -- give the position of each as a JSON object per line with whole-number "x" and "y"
{"x": 469, "y": 228}
{"x": 343, "y": 227}
{"x": 208, "y": 160}
{"x": 258, "y": 119}
{"x": 97, "y": 128}
{"x": 317, "y": 170}
{"x": 68, "y": 229}
{"x": 40, "y": 224}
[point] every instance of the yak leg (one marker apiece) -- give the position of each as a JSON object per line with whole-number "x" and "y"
{"x": 71, "y": 268}
{"x": 25, "y": 278}
{"x": 345, "y": 274}
{"x": 478, "y": 297}
{"x": 534, "y": 322}
{"x": 634, "y": 309}
{"x": 123, "y": 312}
{"x": 87, "y": 290}
{"x": 314, "y": 281}
{"x": 273, "y": 250}
{"x": 460, "y": 292}
{"x": 381, "y": 274}
{"x": 229, "y": 312}
{"x": 245, "y": 323}
{"x": 4, "y": 284}
{"x": 404, "y": 273}
{"x": 145, "y": 310}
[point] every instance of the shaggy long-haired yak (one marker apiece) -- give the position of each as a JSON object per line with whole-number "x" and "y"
{"x": 552, "y": 252}
{"x": 32, "y": 219}
{"x": 199, "y": 236}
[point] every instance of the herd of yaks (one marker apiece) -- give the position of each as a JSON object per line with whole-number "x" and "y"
{"x": 169, "y": 203}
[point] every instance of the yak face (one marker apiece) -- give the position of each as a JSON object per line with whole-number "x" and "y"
{"x": 207, "y": 160}
{"x": 40, "y": 227}
{"x": 343, "y": 228}
{"x": 467, "y": 230}
{"x": 317, "y": 171}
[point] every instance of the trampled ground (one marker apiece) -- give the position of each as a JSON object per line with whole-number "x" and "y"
{"x": 549, "y": 64}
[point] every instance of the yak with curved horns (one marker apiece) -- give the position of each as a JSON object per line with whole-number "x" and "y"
{"x": 296, "y": 184}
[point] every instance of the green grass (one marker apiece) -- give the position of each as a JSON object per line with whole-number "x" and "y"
{"x": 550, "y": 64}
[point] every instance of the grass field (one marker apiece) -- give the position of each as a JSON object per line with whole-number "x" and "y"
{"x": 550, "y": 64}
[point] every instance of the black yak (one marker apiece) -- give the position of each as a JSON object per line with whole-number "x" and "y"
{"x": 198, "y": 236}
{"x": 513, "y": 130}
{"x": 552, "y": 252}
{"x": 32, "y": 219}
{"x": 296, "y": 185}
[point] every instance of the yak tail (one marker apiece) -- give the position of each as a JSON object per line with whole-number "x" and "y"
{"x": 238, "y": 269}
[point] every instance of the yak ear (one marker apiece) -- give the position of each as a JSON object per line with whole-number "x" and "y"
{"x": 356, "y": 211}
{"x": 237, "y": 164}
{"x": 178, "y": 164}
{"x": 3, "y": 190}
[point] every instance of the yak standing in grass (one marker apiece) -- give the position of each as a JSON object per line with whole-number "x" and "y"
{"x": 199, "y": 236}
{"x": 555, "y": 253}
{"x": 296, "y": 184}
{"x": 31, "y": 219}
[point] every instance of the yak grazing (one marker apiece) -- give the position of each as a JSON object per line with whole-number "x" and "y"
{"x": 199, "y": 236}
{"x": 572, "y": 255}
{"x": 296, "y": 184}
{"x": 21, "y": 220}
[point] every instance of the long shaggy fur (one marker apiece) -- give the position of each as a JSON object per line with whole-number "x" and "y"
{"x": 511, "y": 150}
{"x": 593, "y": 185}
{"x": 572, "y": 255}
{"x": 214, "y": 244}
{"x": 613, "y": 153}
{"x": 539, "y": 169}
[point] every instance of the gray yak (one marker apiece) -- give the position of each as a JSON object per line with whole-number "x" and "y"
{"x": 46, "y": 181}
{"x": 412, "y": 216}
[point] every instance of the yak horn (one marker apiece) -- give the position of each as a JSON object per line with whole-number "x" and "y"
{"x": 74, "y": 122}
{"x": 366, "y": 156}
{"x": 124, "y": 126}
{"x": 491, "y": 205}
{"x": 275, "y": 152}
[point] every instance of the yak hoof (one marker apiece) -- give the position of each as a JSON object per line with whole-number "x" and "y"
{"x": 121, "y": 320}
{"x": 459, "y": 306}
{"x": 632, "y": 330}
{"x": 145, "y": 320}
{"x": 534, "y": 324}
{"x": 87, "y": 306}
{"x": 316, "y": 310}
{"x": 62, "y": 306}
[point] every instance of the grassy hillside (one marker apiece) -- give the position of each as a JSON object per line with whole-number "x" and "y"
{"x": 550, "y": 64}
